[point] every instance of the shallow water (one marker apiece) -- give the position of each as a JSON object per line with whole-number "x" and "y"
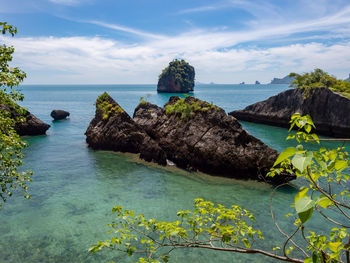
{"x": 75, "y": 188}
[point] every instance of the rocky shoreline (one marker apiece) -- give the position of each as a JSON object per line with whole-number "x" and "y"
{"x": 329, "y": 110}
{"x": 191, "y": 133}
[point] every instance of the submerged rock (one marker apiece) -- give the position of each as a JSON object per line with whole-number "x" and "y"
{"x": 113, "y": 129}
{"x": 30, "y": 126}
{"x": 199, "y": 136}
{"x": 177, "y": 77}
{"x": 59, "y": 114}
{"x": 329, "y": 110}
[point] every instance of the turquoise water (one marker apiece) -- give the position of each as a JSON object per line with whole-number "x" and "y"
{"x": 74, "y": 188}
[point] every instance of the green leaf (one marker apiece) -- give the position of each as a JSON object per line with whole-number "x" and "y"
{"x": 300, "y": 161}
{"x": 285, "y": 154}
{"x": 305, "y": 207}
{"x": 334, "y": 246}
{"x": 340, "y": 165}
{"x": 324, "y": 202}
{"x": 302, "y": 193}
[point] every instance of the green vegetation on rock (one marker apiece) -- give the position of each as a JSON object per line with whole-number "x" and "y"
{"x": 105, "y": 107}
{"x": 188, "y": 107}
{"x": 11, "y": 145}
{"x": 320, "y": 79}
{"x": 181, "y": 72}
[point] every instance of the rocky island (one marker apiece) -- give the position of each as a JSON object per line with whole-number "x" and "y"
{"x": 286, "y": 80}
{"x": 178, "y": 77}
{"x": 193, "y": 134}
{"x": 324, "y": 98}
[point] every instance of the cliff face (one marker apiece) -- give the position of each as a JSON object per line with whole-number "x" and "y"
{"x": 329, "y": 111}
{"x": 113, "y": 129}
{"x": 178, "y": 77}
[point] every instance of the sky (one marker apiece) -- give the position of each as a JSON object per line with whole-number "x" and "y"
{"x": 131, "y": 41}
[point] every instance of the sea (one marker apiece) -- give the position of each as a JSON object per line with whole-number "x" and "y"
{"x": 74, "y": 188}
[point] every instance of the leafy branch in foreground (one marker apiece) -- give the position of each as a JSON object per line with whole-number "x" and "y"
{"x": 325, "y": 191}
{"x": 10, "y": 113}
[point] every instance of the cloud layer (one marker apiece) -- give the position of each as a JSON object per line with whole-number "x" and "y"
{"x": 261, "y": 52}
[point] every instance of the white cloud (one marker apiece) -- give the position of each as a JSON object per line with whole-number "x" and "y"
{"x": 98, "y": 60}
{"x": 215, "y": 54}
{"x": 65, "y": 2}
{"x": 124, "y": 29}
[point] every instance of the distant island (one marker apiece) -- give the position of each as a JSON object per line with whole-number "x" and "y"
{"x": 178, "y": 77}
{"x": 348, "y": 79}
{"x": 285, "y": 80}
{"x": 257, "y": 82}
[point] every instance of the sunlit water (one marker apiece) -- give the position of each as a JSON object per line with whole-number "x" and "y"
{"x": 75, "y": 188}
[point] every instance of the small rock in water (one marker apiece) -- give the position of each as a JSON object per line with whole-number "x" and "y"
{"x": 59, "y": 114}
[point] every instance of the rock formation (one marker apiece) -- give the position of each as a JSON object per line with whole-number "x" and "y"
{"x": 30, "y": 126}
{"x": 202, "y": 137}
{"x": 330, "y": 111}
{"x": 113, "y": 129}
{"x": 257, "y": 82}
{"x": 178, "y": 77}
{"x": 286, "y": 80}
{"x": 59, "y": 114}
{"x": 191, "y": 133}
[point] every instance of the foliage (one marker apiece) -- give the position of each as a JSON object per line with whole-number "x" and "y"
{"x": 216, "y": 227}
{"x": 182, "y": 72}
{"x": 143, "y": 101}
{"x": 326, "y": 189}
{"x": 105, "y": 107}
{"x": 319, "y": 79}
{"x": 186, "y": 108}
{"x": 10, "y": 113}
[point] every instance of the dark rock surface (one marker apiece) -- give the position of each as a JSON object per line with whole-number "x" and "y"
{"x": 210, "y": 141}
{"x": 178, "y": 77}
{"x": 30, "y": 126}
{"x": 329, "y": 111}
{"x": 113, "y": 129}
{"x": 59, "y": 114}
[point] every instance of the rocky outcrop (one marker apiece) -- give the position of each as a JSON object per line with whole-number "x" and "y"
{"x": 199, "y": 136}
{"x": 286, "y": 80}
{"x": 178, "y": 77}
{"x": 329, "y": 110}
{"x": 348, "y": 79}
{"x": 59, "y": 114}
{"x": 31, "y": 125}
{"x": 113, "y": 129}
{"x": 257, "y": 82}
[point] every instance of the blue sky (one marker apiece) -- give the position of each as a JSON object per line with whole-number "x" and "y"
{"x": 227, "y": 41}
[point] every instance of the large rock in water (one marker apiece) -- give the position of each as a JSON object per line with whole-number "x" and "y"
{"x": 200, "y": 136}
{"x": 59, "y": 114}
{"x": 178, "y": 77}
{"x": 30, "y": 126}
{"x": 329, "y": 111}
{"x": 113, "y": 129}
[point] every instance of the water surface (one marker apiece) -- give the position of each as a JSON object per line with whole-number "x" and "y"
{"x": 75, "y": 188}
